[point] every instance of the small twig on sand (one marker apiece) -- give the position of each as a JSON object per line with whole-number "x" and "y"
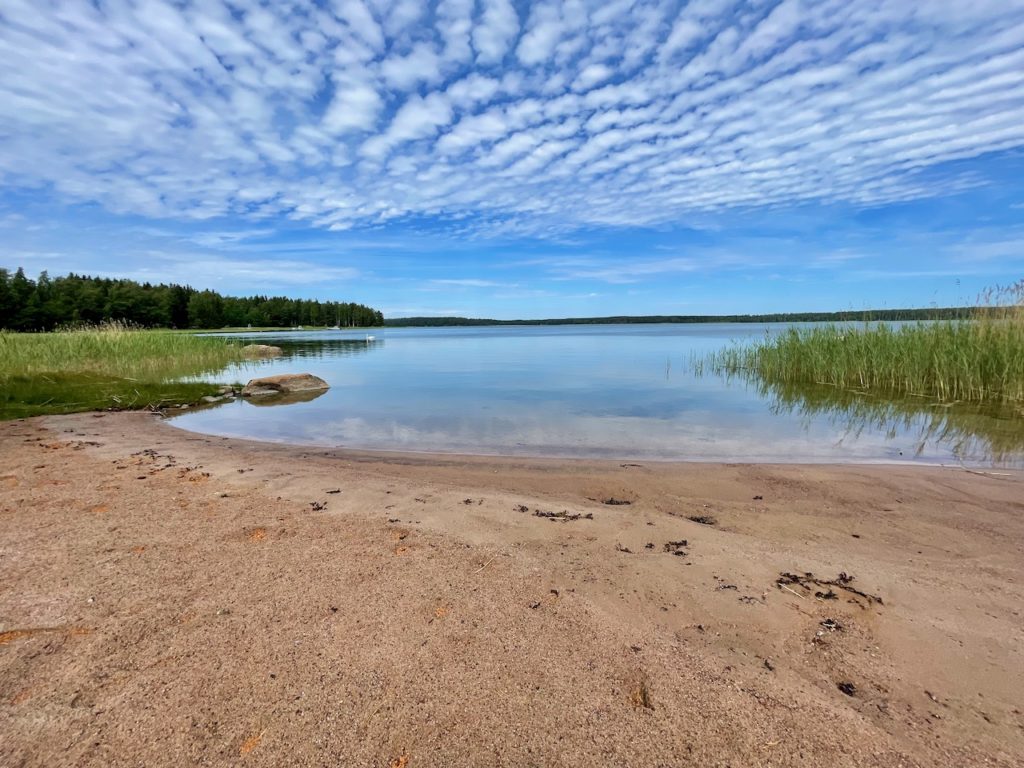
{"x": 986, "y": 474}
{"x": 484, "y": 565}
{"x": 783, "y": 586}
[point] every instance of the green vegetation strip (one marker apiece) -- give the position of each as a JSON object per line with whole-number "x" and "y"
{"x": 978, "y": 360}
{"x": 48, "y": 303}
{"x": 110, "y": 366}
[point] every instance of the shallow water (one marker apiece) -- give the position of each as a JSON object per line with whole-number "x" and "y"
{"x": 611, "y": 391}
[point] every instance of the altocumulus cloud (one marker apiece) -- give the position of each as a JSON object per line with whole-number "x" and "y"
{"x": 540, "y": 117}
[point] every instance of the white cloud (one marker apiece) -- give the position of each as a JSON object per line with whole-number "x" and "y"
{"x": 474, "y": 130}
{"x": 418, "y": 118}
{"x": 468, "y": 282}
{"x": 355, "y": 106}
{"x": 358, "y": 17}
{"x": 198, "y": 268}
{"x": 544, "y": 117}
{"x": 591, "y": 75}
{"x": 401, "y": 15}
{"x": 629, "y": 272}
{"x": 420, "y": 65}
{"x": 1006, "y": 249}
{"x": 497, "y": 28}
{"x": 473, "y": 90}
{"x": 684, "y": 34}
{"x": 454, "y": 23}
{"x": 543, "y": 31}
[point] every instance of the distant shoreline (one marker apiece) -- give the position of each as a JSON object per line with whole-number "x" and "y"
{"x": 929, "y": 313}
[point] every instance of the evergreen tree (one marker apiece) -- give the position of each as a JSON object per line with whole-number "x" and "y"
{"x": 205, "y": 310}
{"x": 6, "y": 299}
{"x": 47, "y": 303}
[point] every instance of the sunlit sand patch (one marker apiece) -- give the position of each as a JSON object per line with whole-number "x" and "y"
{"x": 12, "y": 635}
{"x": 640, "y": 695}
{"x": 21, "y": 696}
{"x": 251, "y": 743}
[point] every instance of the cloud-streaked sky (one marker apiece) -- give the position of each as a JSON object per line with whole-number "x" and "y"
{"x": 514, "y": 159}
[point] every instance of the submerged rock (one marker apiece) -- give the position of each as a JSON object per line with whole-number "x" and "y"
{"x": 261, "y": 350}
{"x": 285, "y": 384}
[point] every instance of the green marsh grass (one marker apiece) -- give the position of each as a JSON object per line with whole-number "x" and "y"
{"x": 978, "y": 360}
{"x": 109, "y": 366}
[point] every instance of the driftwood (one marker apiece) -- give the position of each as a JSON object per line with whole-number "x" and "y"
{"x": 808, "y": 580}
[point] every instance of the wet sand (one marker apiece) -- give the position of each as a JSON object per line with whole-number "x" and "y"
{"x": 172, "y": 599}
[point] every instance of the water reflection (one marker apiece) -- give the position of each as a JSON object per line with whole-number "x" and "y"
{"x": 601, "y": 391}
{"x": 970, "y": 432}
{"x": 269, "y": 401}
{"x": 321, "y": 347}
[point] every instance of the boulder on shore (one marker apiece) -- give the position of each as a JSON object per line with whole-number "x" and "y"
{"x": 261, "y": 350}
{"x": 285, "y": 384}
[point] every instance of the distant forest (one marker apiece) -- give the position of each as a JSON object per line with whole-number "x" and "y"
{"x": 933, "y": 313}
{"x": 47, "y": 303}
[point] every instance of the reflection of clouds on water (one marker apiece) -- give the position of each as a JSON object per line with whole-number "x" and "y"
{"x": 592, "y": 392}
{"x": 965, "y": 432}
{"x": 621, "y": 437}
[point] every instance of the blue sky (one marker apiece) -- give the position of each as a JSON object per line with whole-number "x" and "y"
{"x": 512, "y": 159}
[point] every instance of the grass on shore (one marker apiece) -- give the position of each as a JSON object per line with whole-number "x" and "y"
{"x": 977, "y": 360}
{"x": 109, "y": 366}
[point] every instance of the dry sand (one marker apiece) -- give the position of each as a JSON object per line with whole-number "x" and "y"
{"x": 171, "y": 599}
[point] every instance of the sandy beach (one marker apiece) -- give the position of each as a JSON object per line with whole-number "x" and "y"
{"x": 168, "y": 599}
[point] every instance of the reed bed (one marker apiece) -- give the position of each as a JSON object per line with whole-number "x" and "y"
{"x": 978, "y": 360}
{"x": 114, "y": 349}
{"x": 112, "y": 365}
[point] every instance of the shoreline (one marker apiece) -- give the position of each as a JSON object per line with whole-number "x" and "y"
{"x": 539, "y": 460}
{"x": 169, "y": 594}
{"x": 170, "y": 417}
{"x": 764, "y": 461}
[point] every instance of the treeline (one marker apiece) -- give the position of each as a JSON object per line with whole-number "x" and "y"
{"x": 47, "y": 303}
{"x": 938, "y": 313}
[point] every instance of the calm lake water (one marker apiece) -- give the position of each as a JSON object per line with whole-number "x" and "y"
{"x": 611, "y": 391}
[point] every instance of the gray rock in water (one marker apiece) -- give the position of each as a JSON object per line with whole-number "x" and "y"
{"x": 261, "y": 350}
{"x": 285, "y": 384}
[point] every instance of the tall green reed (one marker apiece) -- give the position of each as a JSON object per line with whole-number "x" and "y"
{"x": 114, "y": 350}
{"x": 980, "y": 359}
{"x": 107, "y": 366}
